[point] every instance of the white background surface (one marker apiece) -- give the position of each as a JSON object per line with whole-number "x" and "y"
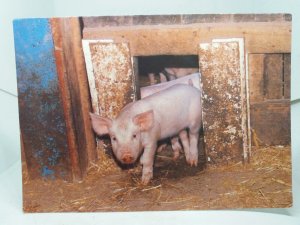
{"x": 10, "y": 162}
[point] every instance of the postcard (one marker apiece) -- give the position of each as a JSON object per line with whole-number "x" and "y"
{"x": 154, "y": 113}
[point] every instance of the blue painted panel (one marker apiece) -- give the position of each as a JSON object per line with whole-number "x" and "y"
{"x": 40, "y": 106}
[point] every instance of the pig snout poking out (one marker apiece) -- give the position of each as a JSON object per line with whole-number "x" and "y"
{"x": 138, "y": 127}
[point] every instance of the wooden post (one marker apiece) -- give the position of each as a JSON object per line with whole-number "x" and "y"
{"x": 74, "y": 88}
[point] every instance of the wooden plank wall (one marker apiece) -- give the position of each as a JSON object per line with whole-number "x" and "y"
{"x": 269, "y": 81}
{"x": 181, "y": 34}
{"x": 287, "y": 76}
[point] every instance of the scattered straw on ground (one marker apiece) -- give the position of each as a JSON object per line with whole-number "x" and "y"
{"x": 265, "y": 182}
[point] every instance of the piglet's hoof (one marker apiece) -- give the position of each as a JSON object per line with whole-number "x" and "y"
{"x": 193, "y": 163}
{"x": 176, "y": 155}
{"x": 192, "y": 160}
{"x": 146, "y": 178}
{"x": 161, "y": 147}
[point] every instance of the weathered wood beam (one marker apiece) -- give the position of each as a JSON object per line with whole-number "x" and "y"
{"x": 260, "y": 37}
{"x": 74, "y": 88}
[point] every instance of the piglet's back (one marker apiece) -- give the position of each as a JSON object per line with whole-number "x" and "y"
{"x": 175, "y": 108}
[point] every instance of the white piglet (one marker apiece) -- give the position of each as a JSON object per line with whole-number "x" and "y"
{"x": 138, "y": 127}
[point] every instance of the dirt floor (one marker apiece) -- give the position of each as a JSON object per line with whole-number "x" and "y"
{"x": 264, "y": 182}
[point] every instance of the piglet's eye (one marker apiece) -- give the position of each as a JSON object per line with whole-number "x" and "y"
{"x": 134, "y": 136}
{"x": 114, "y": 138}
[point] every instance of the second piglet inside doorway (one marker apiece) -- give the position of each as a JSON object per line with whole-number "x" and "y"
{"x": 151, "y": 71}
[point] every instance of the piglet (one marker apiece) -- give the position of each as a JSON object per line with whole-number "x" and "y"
{"x": 150, "y": 90}
{"x": 138, "y": 127}
{"x": 173, "y": 73}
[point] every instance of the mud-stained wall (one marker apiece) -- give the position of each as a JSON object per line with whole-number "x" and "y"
{"x": 112, "y": 77}
{"x": 42, "y": 120}
{"x": 223, "y": 109}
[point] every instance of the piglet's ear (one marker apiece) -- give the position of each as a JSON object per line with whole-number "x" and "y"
{"x": 144, "y": 120}
{"x": 100, "y": 125}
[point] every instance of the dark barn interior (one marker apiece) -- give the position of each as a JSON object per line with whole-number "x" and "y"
{"x": 157, "y": 64}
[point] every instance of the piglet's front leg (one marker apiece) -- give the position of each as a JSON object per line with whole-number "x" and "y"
{"x": 147, "y": 161}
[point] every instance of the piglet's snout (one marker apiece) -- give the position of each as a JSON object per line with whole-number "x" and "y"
{"x": 127, "y": 158}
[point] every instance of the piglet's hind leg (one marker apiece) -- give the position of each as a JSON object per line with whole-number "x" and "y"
{"x": 176, "y": 147}
{"x": 186, "y": 144}
{"x": 194, "y": 137}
